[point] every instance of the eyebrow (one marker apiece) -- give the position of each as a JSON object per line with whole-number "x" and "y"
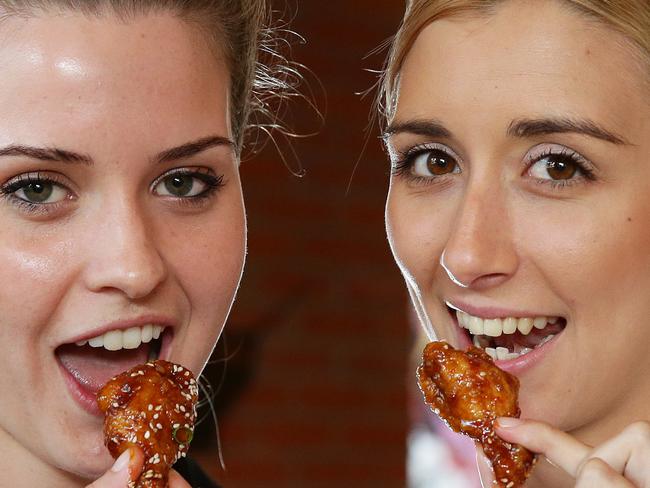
{"x": 535, "y": 127}
{"x": 431, "y": 128}
{"x": 518, "y": 128}
{"x": 45, "y": 154}
{"x": 61, "y": 155}
{"x": 192, "y": 148}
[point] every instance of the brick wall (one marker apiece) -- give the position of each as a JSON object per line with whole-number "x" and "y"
{"x": 314, "y": 392}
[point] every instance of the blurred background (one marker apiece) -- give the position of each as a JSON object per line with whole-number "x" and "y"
{"x": 315, "y": 376}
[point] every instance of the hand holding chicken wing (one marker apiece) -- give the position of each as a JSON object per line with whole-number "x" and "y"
{"x": 468, "y": 391}
{"x": 153, "y": 407}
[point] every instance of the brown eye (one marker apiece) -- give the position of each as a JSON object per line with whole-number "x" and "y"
{"x": 561, "y": 167}
{"x": 434, "y": 162}
{"x": 557, "y": 167}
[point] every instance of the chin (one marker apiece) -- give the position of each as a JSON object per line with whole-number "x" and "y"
{"x": 90, "y": 459}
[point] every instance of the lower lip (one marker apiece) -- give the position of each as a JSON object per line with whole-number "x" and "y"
{"x": 515, "y": 366}
{"x": 519, "y": 365}
{"x": 84, "y": 397}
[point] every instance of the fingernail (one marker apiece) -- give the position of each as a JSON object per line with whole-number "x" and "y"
{"x": 122, "y": 462}
{"x": 508, "y": 422}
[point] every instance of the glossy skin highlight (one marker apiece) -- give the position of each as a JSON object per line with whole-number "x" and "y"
{"x": 521, "y": 244}
{"x": 114, "y": 244}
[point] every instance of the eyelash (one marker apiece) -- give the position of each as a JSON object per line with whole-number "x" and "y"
{"x": 7, "y": 191}
{"x": 584, "y": 167}
{"x": 402, "y": 168}
{"x": 213, "y": 183}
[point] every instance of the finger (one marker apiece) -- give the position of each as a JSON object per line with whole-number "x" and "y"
{"x": 628, "y": 452}
{"x": 177, "y": 481}
{"x": 596, "y": 472}
{"x": 559, "y": 447}
{"x": 127, "y": 467}
{"x": 485, "y": 471}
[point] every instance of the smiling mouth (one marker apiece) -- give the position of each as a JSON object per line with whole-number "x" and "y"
{"x": 94, "y": 361}
{"x": 508, "y": 338}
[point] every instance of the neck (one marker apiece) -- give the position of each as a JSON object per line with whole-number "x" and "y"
{"x": 21, "y": 468}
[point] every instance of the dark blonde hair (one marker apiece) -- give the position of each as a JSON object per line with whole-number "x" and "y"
{"x": 238, "y": 29}
{"x": 629, "y": 17}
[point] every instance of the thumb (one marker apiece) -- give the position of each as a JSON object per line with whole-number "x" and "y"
{"x": 484, "y": 467}
{"x": 127, "y": 467}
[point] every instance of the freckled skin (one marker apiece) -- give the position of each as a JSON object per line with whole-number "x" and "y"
{"x": 152, "y": 406}
{"x": 115, "y": 250}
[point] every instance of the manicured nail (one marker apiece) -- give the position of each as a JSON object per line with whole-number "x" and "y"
{"x": 508, "y": 422}
{"x": 122, "y": 462}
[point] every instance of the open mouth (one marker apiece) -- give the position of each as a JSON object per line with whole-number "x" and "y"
{"x": 94, "y": 361}
{"x": 508, "y": 338}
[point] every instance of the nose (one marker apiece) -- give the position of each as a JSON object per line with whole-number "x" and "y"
{"x": 122, "y": 254}
{"x": 480, "y": 252}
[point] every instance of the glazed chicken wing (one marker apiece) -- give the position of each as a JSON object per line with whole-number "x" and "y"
{"x": 468, "y": 391}
{"x": 152, "y": 406}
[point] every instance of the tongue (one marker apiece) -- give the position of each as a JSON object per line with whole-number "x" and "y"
{"x": 93, "y": 367}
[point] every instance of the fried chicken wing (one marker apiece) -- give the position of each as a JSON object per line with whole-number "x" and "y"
{"x": 152, "y": 406}
{"x": 468, "y": 391}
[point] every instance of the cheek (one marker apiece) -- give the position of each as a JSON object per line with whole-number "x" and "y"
{"x": 207, "y": 258}
{"x": 38, "y": 277}
{"x": 417, "y": 228}
{"x": 591, "y": 253}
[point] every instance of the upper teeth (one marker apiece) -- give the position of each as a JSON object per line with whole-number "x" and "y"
{"x": 114, "y": 340}
{"x": 507, "y": 325}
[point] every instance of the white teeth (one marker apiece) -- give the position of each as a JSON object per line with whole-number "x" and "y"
{"x": 493, "y": 327}
{"x": 156, "y": 330}
{"x": 476, "y": 326}
{"x": 147, "y": 333}
{"x": 115, "y": 340}
{"x": 507, "y": 325}
{"x": 540, "y": 322}
{"x": 502, "y": 352}
{"x": 132, "y": 338}
{"x": 525, "y": 325}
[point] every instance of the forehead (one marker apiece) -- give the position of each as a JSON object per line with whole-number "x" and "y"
{"x": 528, "y": 58}
{"x": 68, "y": 76}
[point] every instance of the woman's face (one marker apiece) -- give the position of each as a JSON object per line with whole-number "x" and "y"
{"x": 121, "y": 214}
{"x": 520, "y": 164}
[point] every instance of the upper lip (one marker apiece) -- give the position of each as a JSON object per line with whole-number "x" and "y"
{"x": 124, "y": 324}
{"x": 494, "y": 312}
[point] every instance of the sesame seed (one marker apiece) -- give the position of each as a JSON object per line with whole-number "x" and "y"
{"x": 147, "y": 434}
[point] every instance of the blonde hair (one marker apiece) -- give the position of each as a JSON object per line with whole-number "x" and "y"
{"x": 629, "y": 17}
{"x": 240, "y": 30}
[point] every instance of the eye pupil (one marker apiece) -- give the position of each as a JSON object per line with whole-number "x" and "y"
{"x": 440, "y": 163}
{"x": 179, "y": 185}
{"x": 38, "y": 191}
{"x": 561, "y": 169}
